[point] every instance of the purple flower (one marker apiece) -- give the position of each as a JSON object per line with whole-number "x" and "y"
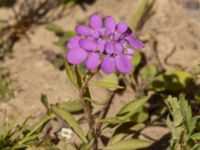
{"x": 103, "y": 44}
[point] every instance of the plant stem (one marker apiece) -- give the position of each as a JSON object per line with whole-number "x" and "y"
{"x": 88, "y": 110}
{"x": 105, "y": 111}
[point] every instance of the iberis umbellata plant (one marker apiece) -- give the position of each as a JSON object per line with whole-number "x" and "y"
{"x": 104, "y": 47}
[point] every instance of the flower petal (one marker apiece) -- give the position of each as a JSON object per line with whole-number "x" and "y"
{"x": 76, "y": 56}
{"x": 101, "y": 45}
{"x": 109, "y": 47}
{"x": 83, "y": 30}
{"x": 102, "y": 31}
{"x": 95, "y": 35}
{"x": 87, "y": 45}
{"x": 108, "y": 64}
{"x": 110, "y": 23}
{"x": 122, "y": 27}
{"x": 92, "y": 61}
{"x": 118, "y": 48}
{"x": 136, "y": 44}
{"x": 95, "y": 21}
{"x": 74, "y": 42}
{"x": 129, "y": 53}
{"x": 123, "y": 64}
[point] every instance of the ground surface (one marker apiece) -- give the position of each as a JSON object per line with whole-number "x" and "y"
{"x": 174, "y": 26}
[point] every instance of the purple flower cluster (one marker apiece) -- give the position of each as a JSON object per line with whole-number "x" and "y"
{"x": 103, "y": 44}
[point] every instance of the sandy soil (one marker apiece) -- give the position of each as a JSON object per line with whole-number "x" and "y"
{"x": 173, "y": 25}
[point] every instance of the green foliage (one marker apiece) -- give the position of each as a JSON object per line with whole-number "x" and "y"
{"x": 109, "y": 82}
{"x": 129, "y": 112}
{"x": 69, "y": 119}
{"x": 72, "y": 106}
{"x": 148, "y": 73}
{"x": 63, "y": 36}
{"x": 136, "y": 60}
{"x": 172, "y": 81}
{"x": 6, "y": 92}
{"x": 141, "y": 12}
{"x": 21, "y": 137}
{"x": 54, "y": 28}
{"x": 130, "y": 144}
{"x": 182, "y": 125}
{"x": 3, "y": 25}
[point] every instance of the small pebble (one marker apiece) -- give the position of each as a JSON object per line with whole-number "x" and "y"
{"x": 192, "y": 5}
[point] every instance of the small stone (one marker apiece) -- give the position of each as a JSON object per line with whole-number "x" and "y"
{"x": 192, "y": 5}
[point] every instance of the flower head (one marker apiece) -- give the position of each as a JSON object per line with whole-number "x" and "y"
{"x": 103, "y": 44}
{"x": 66, "y": 133}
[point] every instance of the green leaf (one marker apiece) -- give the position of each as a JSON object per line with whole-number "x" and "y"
{"x": 87, "y": 146}
{"x": 128, "y": 145}
{"x": 149, "y": 72}
{"x": 54, "y": 28}
{"x": 109, "y": 81}
{"x": 137, "y": 127}
{"x": 197, "y": 96}
{"x": 136, "y": 60}
{"x": 183, "y": 76}
{"x": 97, "y": 102}
{"x": 139, "y": 14}
{"x": 58, "y": 62}
{"x": 116, "y": 138}
{"x": 115, "y": 120}
{"x": 78, "y": 77}
{"x": 172, "y": 81}
{"x": 3, "y": 25}
{"x": 68, "y": 118}
{"x": 140, "y": 117}
{"x": 196, "y": 70}
{"x": 71, "y": 106}
{"x": 70, "y": 73}
{"x": 44, "y": 100}
{"x": 65, "y": 38}
{"x": 195, "y": 136}
{"x": 132, "y": 107}
{"x": 196, "y": 147}
{"x": 174, "y": 109}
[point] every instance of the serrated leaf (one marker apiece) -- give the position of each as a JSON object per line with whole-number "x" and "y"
{"x": 71, "y": 106}
{"x": 186, "y": 111}
{"x": 131, "y": 144}
{"x": 174, "y": 109}
{"x": 68, "y": 118}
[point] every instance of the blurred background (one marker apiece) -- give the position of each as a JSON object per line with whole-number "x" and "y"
{"x": 33, "y": 34}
